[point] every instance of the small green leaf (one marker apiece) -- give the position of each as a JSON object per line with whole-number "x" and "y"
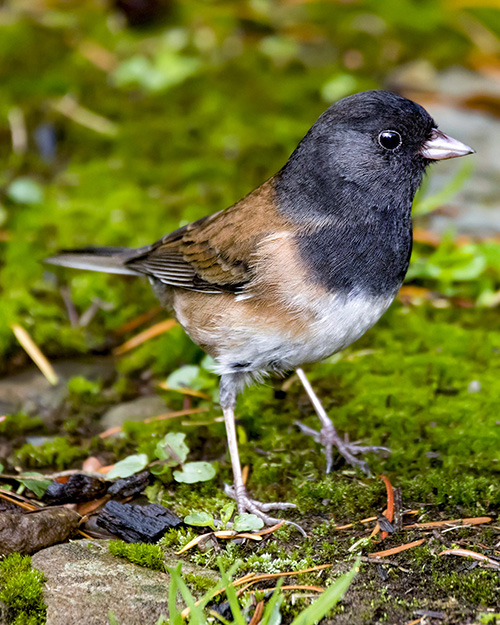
{"x": 159, "y": 469}
{"x": 172, "y": 449}
{"x": 128, "y": 466}
{"x": 37, "y": 486}
{"x": 247, "y": 523}
{"x": 25, "y": 191}
{"x": 193, "y": 472}
{"x": 200, "y": 519}
{"x": 227, "y": 512}
{"x": 183, "y": 377}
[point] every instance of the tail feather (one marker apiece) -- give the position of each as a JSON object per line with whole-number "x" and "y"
{"x": 107, "y": 259}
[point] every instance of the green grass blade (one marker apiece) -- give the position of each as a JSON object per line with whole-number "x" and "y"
{"x": 325, "y": 602}
{"x": 234, "y": 604}
{"x": 272, "y": 615}
{"x": 175, "y": 617}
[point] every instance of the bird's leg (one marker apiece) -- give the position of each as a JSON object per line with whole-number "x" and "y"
{"x": 328, "y": 435}
{"x": 228, "y": 390}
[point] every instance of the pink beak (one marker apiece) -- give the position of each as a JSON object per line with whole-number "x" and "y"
{"x": 441, "y": 146}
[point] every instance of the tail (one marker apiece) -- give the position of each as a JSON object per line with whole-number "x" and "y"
{"x": 107, "y": 259}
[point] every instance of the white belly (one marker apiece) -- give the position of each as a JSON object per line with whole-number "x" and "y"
{"x": 336, "y": 324}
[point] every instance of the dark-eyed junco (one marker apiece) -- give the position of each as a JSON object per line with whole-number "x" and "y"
{"x": 302, "y": 266}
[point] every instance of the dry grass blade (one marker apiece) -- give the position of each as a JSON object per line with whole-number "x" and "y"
{"x": 98, "y": 55}
{"x": 467, "y": 553}
{"x": 134, "y": 323}
{"x": 145, "y": 335}
{"x": 270, "y": 530}
{"x": 390, "y": 552}
{"x": 161, "y": 417}
{"x": 229, "y": 534}
{"x": 82, "y": 533}
{"x": 389, "y": 511}
{"x": 69, "y": 107}
{"x": 368, "y": 520}
{"x": 251, "y": 578}
{"x": 21, "y": 504}
{"x": 291, "y": 587}
{"x": 86, "y": 507}
{"x": 193, "y": 542}
{"x": 257, "y": 615}
{"x": 348, "y": 526}
{"x": 244, "y": 473}
{"x": 265, "y": 576}
{"x": 184, "y": 391}
{"x": 35, "y": 353}
{"x": 432, "y": 524}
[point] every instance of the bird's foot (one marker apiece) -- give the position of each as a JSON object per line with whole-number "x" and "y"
{"x": 260, "y": 509}
{"x": 328, "y": 437}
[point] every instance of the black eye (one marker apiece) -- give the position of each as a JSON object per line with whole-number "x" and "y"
{"x": 390, "y": 139}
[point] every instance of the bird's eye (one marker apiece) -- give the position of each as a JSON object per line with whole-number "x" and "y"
{"x": 390, "y": 139}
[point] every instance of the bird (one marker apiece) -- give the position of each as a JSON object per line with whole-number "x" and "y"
{"x": 303, "y": 265}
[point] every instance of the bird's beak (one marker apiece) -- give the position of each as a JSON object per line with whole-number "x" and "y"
{"x": 441, "y": 146}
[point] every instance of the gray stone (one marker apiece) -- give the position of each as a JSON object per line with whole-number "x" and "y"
{"x": 30, "y": 392}
{"x": 135, "y": 410}
{"x": 85, "y": 582}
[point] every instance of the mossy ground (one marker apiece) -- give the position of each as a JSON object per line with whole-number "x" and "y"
{"x": 21, "y": 592}
{"x": 423, "y": 382}
{"x": 405, "y": 385}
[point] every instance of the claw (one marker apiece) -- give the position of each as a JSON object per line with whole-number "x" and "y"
{"x": 252, "y": 506}
{"x": 329, "y": 438}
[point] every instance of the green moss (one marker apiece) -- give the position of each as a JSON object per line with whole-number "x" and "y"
{"x": 145, "y": 555}
{"x": 59, "y": 453}
{"x": 21, "y": 590}
{"x": 83, "y": 390}
{"x": 177, "y": 538}
{"x": 199, "y": 582}
{"x": 19, "y": 424}
{"x": 474, "y": 587}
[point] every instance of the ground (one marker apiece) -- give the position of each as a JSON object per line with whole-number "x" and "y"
{"x": 114, "y": 135}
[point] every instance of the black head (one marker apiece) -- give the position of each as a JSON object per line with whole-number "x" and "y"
{"x": 349, "y": 187}
{"x": 367, "y": 147}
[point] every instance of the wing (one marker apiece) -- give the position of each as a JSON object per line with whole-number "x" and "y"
{"x": 216, "y": 253}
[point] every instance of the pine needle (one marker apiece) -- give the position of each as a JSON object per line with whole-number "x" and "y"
{"x": 35, "y": 354}
{"x": 145, "y": 335}
{"x": 390, "y": 552}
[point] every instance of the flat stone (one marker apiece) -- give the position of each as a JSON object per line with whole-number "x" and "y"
{"x": 135, "y": 410}
{"x": 30, "y": 392}
{"x": 85, "y": 582}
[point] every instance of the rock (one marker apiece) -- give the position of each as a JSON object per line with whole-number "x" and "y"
{"x": 135, "y": 410}
{"x": 29, "y": 532}
{"x": 31, "y": 393}
{"x": 85, "y": 582}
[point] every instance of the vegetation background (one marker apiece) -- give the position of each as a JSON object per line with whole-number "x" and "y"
{"x": 122, "y": 120}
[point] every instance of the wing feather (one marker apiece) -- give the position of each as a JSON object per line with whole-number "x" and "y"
{"x": 216, "y": 253}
